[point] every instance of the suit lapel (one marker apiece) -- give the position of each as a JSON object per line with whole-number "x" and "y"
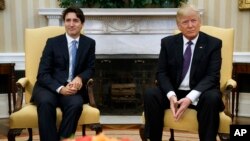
{"x": 198, "y": 53}
{"x": 80, "y": 51}
{"x": 64, "y": 49}
{"x": 179, "y": 55}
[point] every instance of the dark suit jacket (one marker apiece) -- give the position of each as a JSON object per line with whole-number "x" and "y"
{"x": 53, "y": 69}
{"x": 205, "y": 67}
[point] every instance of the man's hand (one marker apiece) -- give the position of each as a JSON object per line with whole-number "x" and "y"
{"x": 183, "y": 105}
{"x": 68, "y": 90}
{"x": 77, "y": 83}
{"x": 173, "y": 104}
{"x": 72, "y": 87}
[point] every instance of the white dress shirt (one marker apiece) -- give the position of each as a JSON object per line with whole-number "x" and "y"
{"x": 193, "y": 95}
{"x": 69, "y": 41}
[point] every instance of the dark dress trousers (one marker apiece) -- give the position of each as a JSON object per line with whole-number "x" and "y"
{"x": 53, "y": 72}
{"x": 204, "y": 77}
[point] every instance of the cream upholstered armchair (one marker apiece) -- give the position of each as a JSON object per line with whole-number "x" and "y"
{"x": 25, "y": 115}
{"x": 189, "y": 121}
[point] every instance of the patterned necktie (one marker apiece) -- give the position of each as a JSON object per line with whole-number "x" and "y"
{"x": 187, "y": 58}
{"x": 73, "y": 60}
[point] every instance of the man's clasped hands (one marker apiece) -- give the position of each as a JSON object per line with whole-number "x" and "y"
{"x": 72, "y": 87}
{"x": 178, "y": 107}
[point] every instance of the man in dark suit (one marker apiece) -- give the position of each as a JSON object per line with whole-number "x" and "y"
{"x": 188, "y": 75}
{"x": 62, "y": 77}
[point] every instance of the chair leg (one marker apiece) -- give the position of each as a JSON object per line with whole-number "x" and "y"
{"x": 13, "y": 133}
{"x": 97, "y": 127}
{"x": 224, "y": 137}
{"x": 30, "y": 134}
{"x": 171, "y": 135}
{"x": 142, "y": 134}
{"x": 83, "y": 130}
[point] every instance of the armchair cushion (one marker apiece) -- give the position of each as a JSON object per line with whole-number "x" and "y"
{"x": 27, "y": 116}
{"x": 189, "y": 121}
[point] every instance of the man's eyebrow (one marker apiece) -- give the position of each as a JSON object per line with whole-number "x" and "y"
{"x": 72, "y": 19}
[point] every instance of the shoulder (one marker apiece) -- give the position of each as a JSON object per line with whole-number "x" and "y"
{"x": 87, "y": 42}
{"x": 58, "y": 38}
{"x": 86, "y": 38}
{"x": 209, "y": 37}
{"x": 172, "y": 38}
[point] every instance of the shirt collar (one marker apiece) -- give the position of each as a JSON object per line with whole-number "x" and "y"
{"x": 70, "y": 39}
{"x": 185, "y": 40}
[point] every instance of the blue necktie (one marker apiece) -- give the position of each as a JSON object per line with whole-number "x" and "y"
{"x": 187, "y": 58}
{"x": 73, "y": 60}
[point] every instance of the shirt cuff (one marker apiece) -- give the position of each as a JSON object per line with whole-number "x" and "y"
{"x": 170, "y": 93}
{"x": 194, "y": 96}
{"x": 58, "y": 89}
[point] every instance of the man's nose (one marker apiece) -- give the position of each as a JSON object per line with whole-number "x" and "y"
{"x": 190, "y": 23}
{"x": 71, "y": 23}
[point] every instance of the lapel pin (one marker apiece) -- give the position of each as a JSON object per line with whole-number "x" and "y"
{"x": 201, "y": 46}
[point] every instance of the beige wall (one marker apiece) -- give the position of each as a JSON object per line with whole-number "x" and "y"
{"x": 21, "y": 14}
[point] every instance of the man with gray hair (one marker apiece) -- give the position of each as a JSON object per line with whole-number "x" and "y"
{"x": 188, "y": 75}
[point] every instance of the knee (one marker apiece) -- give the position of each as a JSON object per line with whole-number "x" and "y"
{"x": 77, "y": 105}
{"x": 211, "y": 97}
{"x": 152, "y": 94}
{"x": 45, "y": 101}
{"x": 149, "y": 93}
{"x": 46, "y": 107}
{"x": 74, "y": 108}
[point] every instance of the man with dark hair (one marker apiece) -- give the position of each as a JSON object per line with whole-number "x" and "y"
{"x": 188, "y": 75}
{"x": 67, "y": 63}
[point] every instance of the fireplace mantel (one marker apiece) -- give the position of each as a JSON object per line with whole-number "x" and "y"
{"x": 114, "y": 11}
{"x": 123, "y": 33}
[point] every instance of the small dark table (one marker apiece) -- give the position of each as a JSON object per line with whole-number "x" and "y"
{"x": 8, "y": 69}
{"x": 238, "y": 69}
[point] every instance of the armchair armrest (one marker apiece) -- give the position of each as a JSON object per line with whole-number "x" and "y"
{"x": 22, "y": 82}
{"x": 231, "y": 84}
{"x": 20, "y": 85}
{"x": 90, "y": 85}
{"x": 230, "y": 89}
